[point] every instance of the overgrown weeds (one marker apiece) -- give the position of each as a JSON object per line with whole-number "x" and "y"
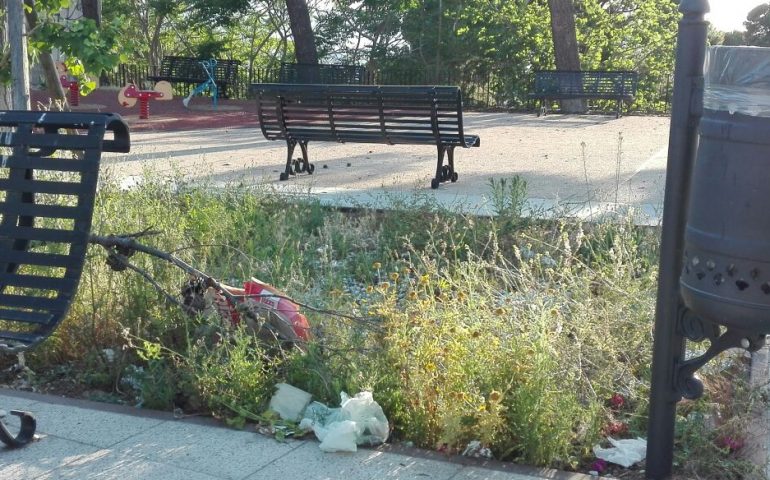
{"x": 533, "y": 337}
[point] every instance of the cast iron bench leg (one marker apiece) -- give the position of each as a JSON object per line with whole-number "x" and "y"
{"x": 290, "y": 145}
{"x": 444, "y": 173}
{"x": 26, "y": 432}
{"x": 306, "y": 165}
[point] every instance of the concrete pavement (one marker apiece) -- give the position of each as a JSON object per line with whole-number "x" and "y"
{"x": 83, "y": 440}
{"x": 584, "y": 166}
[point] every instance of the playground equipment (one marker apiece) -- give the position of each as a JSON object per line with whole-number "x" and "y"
{"x": 130, "y": 93}
{"x": 209, "y": 66}
{"x": 70, "y": 83}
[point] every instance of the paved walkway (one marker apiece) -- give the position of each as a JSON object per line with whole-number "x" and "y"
{"x": 83, "y": 440}
{"x": 576, "y": 165}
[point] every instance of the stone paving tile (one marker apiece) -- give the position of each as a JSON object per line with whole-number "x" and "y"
{"x": 110, "y": 465}
{"x": 309, "y": 463}
{"x": 92, "y": 427}
{"x": 220, "y": 452}
{"x": 9, "y": 403}
{"x": 42, "y": 456}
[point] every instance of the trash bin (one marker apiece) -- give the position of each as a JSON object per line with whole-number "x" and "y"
{"x": 726, "y": 271}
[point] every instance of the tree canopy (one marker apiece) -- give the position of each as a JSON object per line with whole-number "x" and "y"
{"x": 433, "y": 40}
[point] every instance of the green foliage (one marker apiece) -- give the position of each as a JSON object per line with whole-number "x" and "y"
{"x": 758, "y": 26}
{"x": 464, "y": 330}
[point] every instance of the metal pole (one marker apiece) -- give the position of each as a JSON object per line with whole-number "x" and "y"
{"x": 668, "y": 349}
{"x": 19, "y": 67}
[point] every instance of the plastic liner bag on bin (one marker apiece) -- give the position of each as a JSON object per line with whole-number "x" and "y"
{"x": 623, "y": 452}
{"x": 358, "y": 421}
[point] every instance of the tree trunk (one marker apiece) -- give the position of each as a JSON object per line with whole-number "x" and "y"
{"x": 5, "y": 91}
{"x": 19, "y": 64}
{"x": 53, "y": 85}
{"x": 304, "y": 40}
{"x": 565, "y": 45}
{"x": 93, "y": 9}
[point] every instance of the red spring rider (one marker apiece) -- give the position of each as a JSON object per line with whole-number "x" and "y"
{"x": 130, "y": 93}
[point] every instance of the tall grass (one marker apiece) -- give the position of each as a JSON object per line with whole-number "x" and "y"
{"x": 514, "y": 333}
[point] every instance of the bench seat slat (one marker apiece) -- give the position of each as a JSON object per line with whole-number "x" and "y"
{"x": 35, "y": 281}
{"x": 39, "y": 234}
{"x": 47, "y": 211}
{"x": 51, "y": 164}
{"x": 35, "y": 258}
{"x": 23, "y": 316}
{"x": 50, "y": 140}
{"x": 38, "y": 303}
{"x": 41, "y": 186}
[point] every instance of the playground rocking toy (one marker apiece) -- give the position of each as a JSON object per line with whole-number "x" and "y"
{"x": 209, "y": 66}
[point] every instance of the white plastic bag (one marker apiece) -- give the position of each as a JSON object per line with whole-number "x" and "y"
{"x": 359, "y": 421}
{"x": 338, "y": 436}
{"x": 623, "y": 452}
{"x": 368, "y": 414}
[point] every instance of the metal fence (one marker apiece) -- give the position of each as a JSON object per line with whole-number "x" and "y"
{"x": 482, "y": 91}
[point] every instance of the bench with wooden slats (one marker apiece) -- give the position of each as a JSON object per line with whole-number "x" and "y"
{"x": 49, "y": 166}
{"x": 411, "y": 115}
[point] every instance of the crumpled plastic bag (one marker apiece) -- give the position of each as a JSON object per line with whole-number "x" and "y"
{"x": 623, "y": 452}
{"x": 359, "y": 421}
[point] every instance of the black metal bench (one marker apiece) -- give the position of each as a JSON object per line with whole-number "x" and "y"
{"x": 49, "y": 167}
{"x": 415, "y": 115}
{"x": 553, "y": 85}
{"x": 189, "y": 71}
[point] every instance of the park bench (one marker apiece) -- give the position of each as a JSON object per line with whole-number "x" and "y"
{"x": 414, "y": 115}
{"x": 49, "y": 167}
{"x": 553, "y": 85}
{"x": 189, "y": 71}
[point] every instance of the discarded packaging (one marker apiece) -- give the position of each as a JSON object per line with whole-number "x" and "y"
{"x": 623, "y": 452}
{"x": 359, "y": 421}
{"x": 289, "y": 402}
{"x": 476, "y": 450}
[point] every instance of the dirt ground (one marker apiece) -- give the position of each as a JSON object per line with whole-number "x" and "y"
{"x": 585, "y": 163}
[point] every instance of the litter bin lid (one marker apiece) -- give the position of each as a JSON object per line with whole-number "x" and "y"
{"x": 738, "y": 80}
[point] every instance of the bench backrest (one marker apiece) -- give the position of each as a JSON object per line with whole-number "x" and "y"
{"x": 609, "y": 84}
{"x": 190, "y": 69}
{"x": 371, "y": 114}
{"x": 49, "y": 166}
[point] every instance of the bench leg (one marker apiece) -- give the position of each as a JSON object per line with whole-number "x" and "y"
{"x": 290, "y": 145}
{"x": 305, "y": 166}
{"x": 444, "y": 173}
{"x": 294, "y": 167}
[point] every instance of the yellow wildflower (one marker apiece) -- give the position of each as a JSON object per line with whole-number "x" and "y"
{"x": 376, "y": 265}
{"x": 394, "y": 276}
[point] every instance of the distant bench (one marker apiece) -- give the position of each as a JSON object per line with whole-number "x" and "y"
{"x": 553, "y": 85}
{"x": 414, "y": 115}
{"x": 188, "y": 70}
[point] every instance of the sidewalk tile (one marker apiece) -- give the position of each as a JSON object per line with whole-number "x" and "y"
{"x": 110, "y": 465}
{"x": 221, "y": 452}
{"x": 37, "y": 458}
{"x": 310, "y": 463}
{"x": 101, "y": 429}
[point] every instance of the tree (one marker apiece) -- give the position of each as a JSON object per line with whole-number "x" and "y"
{"x": 734, "y": 38}
{"x": 565, "y": 44}
{"x": 302, "y": 31}
{"x": 758, "y": 26}
{"x": 92, "y": 9}
{"x": 5, "y": 59}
